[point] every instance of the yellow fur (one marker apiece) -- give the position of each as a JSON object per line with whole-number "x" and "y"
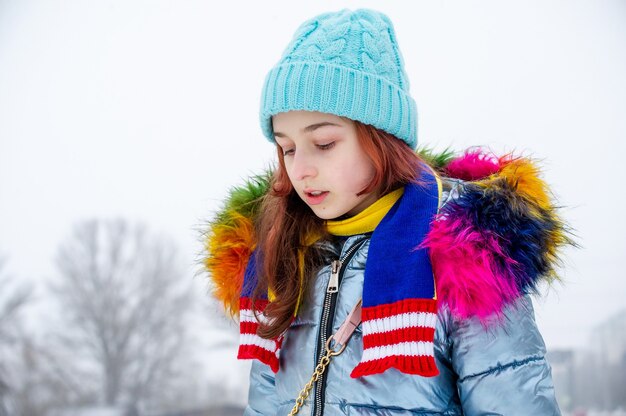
{"x": 229, "y": 248}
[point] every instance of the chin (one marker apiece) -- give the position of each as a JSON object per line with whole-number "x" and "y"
{"x": 327, "y": 214}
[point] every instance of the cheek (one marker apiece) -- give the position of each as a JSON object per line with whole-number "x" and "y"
{"x": 289, "y": 171}
{"x": 358, "y": 175}
{"x": 366, "y": 170}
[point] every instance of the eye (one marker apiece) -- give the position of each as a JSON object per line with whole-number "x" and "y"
{"x": 288, "y": 152}
{"x": 326, "y": 146}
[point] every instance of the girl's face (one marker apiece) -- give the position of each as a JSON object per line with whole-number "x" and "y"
{"x": 325, "y": 162}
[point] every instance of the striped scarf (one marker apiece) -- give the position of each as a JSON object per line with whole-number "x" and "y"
{"x": 399, "y": 301}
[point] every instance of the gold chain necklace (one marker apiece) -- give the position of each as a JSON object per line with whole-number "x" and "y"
{"x": 341, "y": 338}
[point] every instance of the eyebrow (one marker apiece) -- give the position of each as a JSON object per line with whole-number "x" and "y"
{"x": 310, "y": 128}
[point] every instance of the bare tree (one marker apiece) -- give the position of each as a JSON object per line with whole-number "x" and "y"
{"x": 13, "y": 298}
{"x": 124, "y": 302}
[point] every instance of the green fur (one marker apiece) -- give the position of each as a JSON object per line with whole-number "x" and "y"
{"x": 245, "y": 199}
{"x": 436, "y": 160}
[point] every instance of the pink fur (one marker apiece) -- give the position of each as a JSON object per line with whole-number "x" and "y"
{"x": 473, "y": 165}
{"x": 468, "y": 277}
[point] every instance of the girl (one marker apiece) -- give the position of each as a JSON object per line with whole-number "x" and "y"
{"x": 371, "y": 279}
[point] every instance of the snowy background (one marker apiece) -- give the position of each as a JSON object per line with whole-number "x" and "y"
{"x": 148, "y": 111}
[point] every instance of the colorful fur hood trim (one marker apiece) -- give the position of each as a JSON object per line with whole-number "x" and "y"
{"x": 497, "y": 234}
{"x": 229, "y": 240}
{"x": 497, "y": 237}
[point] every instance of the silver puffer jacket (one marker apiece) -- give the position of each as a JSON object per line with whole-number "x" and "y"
{"x": 493, "y": 370}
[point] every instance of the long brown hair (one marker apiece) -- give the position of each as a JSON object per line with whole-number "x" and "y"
{"x": 286, "y": 221}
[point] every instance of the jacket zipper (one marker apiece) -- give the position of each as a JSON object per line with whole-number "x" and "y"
{"x": 328, "y": 314}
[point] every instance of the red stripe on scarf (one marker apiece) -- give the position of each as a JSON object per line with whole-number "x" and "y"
{"x": 399, "y": 335}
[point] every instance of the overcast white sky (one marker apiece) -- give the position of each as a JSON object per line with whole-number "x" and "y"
{"x": 148, "y": 110}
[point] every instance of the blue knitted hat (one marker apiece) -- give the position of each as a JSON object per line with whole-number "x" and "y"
{"x": 345, "y": 63}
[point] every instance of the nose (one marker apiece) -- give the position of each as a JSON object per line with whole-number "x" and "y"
{"x": 303, "y": 166}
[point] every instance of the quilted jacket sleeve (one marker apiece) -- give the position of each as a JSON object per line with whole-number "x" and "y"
{"x": 262, "y": 395}
{"x": 502, "y": 367}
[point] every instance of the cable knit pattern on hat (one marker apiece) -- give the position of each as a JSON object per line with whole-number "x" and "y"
{"x": 348, "y": 64}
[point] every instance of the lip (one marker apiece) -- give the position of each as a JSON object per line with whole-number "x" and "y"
{"x": 314, "y": 199}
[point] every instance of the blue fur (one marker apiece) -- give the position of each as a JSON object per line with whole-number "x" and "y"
{"x": 523, "y": 237}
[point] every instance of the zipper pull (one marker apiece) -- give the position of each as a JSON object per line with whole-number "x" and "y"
{"x": 333, "y": 284}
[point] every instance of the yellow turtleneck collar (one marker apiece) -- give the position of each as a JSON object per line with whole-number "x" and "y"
{"x": 367, "y": 220}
